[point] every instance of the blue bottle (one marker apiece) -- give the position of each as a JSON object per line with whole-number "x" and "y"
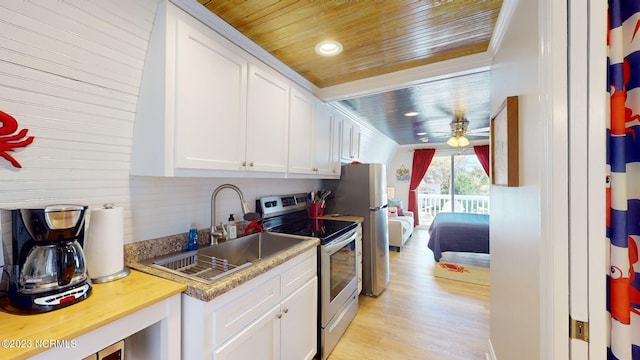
{"x": 192, "y": 244}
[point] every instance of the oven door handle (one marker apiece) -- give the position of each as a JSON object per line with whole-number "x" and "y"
{"x": 338, "y": 244}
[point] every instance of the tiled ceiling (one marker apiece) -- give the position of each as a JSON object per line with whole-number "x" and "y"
{"x": 379, "y": 37}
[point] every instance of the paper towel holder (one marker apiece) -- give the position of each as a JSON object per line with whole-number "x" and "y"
{"x": 118, "y": 275}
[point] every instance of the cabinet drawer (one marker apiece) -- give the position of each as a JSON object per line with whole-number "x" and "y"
{"x": 298, "y": 275}
{"x": 245, "y": 309}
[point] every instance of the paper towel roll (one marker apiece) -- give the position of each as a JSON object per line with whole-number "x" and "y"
{"x": 104, "y": 246}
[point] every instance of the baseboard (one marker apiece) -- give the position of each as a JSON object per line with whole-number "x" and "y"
{"x": 491, "y": 355}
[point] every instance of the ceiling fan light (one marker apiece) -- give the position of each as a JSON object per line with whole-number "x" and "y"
{"x": 328, "y": 48}
{"x": 453, "y": 141}
{"x": 463, "y": 141}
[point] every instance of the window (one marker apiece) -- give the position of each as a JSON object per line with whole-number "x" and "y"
{"x": 454, "y": 179}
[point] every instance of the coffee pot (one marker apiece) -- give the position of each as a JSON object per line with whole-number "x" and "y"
{"x": 44, "y": 258}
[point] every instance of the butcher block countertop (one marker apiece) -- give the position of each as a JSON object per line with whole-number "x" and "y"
{"x": 23, "y": 336}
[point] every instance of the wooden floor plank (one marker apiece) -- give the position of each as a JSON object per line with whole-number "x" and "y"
{"x": 419, "y": 316}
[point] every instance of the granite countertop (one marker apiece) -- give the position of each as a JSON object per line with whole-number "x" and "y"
{"x": 137, "y": 253}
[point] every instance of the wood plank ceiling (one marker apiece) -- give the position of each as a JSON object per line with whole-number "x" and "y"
{"x": 378, "y": 37}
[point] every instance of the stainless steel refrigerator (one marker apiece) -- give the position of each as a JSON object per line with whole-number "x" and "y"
{"x": 362, "y": 191}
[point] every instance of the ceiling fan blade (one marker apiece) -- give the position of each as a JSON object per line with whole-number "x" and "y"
{"x": 439, "y": 132}
{"x": 484, "y": 129}
{"x": 445, "y": 109}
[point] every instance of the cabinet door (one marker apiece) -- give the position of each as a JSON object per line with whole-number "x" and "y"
{"x": 299, "y": 322}
{"x": 355, "y": 142}
{"x": 267, "y": 121}
{"x": 301, "y": 133}
{"x": 336, "y": 143}
{"x": 210, "y": 102}
{"x": 350, "y": 140}
{"x": 259, "y": 341}
{"x": 322, "y": 137}
{"x": 347, "y": 133}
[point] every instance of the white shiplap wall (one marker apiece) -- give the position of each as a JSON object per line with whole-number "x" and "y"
{"x": 70, "y": 72}
{"x": 375, "y": 147}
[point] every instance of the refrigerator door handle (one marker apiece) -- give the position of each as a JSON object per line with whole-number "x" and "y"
{"x": 378, "y": 207}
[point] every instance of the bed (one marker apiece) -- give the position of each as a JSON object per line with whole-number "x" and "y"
{"x": 459, "y": 232}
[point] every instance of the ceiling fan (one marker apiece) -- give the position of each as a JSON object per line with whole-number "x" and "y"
{"x": 460, "y": 129}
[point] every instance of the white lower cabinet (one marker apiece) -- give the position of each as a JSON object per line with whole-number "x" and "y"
{"x": 260, "y": 340}
{"x": 298, "y": 311}
{"x": 273, "y": 316}
{"x": 281, "y": 333}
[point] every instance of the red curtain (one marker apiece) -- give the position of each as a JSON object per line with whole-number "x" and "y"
{"x": 421, "y": 160}
{"x": 482, "y": 152}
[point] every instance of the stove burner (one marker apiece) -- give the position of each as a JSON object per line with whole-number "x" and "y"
{"x": 325, "y": 230}
{"x": 288, "y": 214}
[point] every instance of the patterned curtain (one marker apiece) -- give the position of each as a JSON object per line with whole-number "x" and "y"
{"x": 623, "y": 181}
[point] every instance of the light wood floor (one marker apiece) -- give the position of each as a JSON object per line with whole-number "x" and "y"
{"x": 419, "y": 316}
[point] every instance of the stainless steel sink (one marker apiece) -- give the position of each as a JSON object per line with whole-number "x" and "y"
{"x": 210, "y": 263}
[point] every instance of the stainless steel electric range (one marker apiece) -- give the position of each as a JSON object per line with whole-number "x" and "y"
{"x": 337, "y": 261}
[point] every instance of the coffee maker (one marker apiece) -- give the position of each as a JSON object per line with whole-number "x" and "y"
{"x": 43, "y": 257}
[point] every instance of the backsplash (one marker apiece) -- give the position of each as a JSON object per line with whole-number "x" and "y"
{"x": 167, "y": 206}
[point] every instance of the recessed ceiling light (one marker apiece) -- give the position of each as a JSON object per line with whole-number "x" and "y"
{"x": 328, "y": 48}
{"x": 412, "y": 113}
{"x": 424, "y": 139}
{"x": 421, "y": 133}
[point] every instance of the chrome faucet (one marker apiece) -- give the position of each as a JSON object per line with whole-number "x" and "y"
{"x": 245, "y": 209}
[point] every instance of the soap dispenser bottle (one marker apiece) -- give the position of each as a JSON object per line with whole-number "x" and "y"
{"x": 231, "y": 227}
{"x": 192, "y": 243}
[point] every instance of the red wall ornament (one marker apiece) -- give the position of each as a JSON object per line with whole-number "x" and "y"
{"x": 10, "y": 141}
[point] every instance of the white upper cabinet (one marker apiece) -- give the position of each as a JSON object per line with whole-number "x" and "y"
{"x": 208, "y": 108}
{"x": 210, "y": 100}
{"x": 326, "y": 158}
{"x": 301, "y": 132}
{"x": 336, "y": 146}
{"x": 191, "y": 115}
{"x": 312, "y": 138}
{"x": 350, "y": 140}
{"x": 267, "y": 121}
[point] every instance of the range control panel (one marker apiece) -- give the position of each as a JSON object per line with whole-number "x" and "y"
{"x": 275, "y": 205}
